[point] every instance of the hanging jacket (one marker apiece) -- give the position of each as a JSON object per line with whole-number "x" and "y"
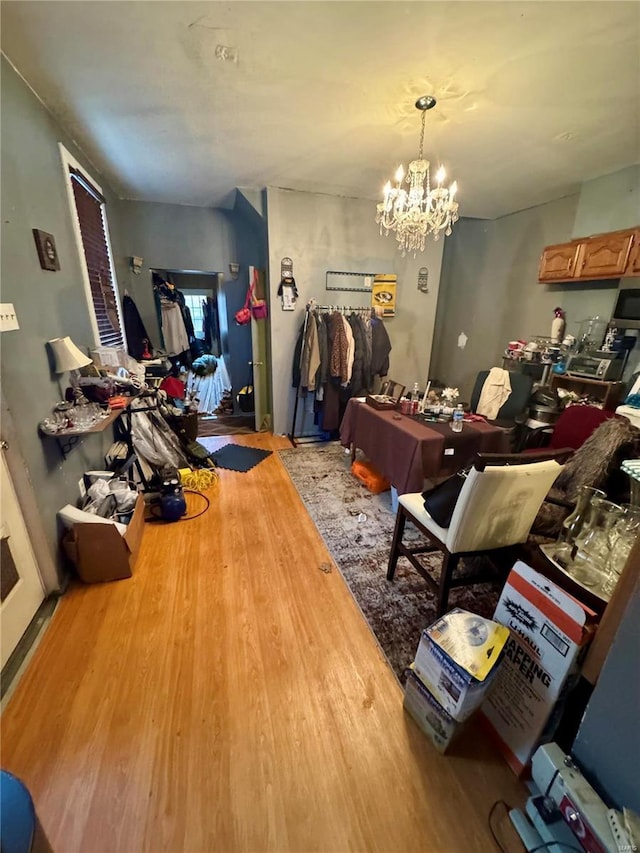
{"x": 338, "y": 362}
{"x": 134, "y": 328}
{"x": 297, "y": 358}
{"x": 359, "y": 383}
{"x": 380, "y": 348}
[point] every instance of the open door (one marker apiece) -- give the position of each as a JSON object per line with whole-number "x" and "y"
{"x": 260, "y": 356}
{"x": 22, "y": 590}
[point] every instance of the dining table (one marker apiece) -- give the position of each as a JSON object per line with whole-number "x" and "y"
{"x": 409, "y": 449}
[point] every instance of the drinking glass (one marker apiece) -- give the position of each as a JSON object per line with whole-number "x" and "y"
{"x": 623, "y": 537}
{"x": 589, "y": 566}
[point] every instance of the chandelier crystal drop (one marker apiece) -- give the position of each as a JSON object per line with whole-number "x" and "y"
{"x": 422, "y": 209}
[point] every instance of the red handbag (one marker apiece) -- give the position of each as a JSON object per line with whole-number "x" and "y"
{"x": 243, "y": 315}
{"x": 258, "y": 306}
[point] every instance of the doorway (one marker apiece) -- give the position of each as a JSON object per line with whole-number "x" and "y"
{"x": 21, "y": 591}
{"x": 219, "y": 361}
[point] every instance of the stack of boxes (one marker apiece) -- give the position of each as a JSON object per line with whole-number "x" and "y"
{"x": 454, "y": 668}
{"x": 520, "y": 667}
{"x": 550, "y": 633}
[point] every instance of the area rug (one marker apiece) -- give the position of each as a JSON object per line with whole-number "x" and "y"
{"x": 357, "y": 528}
{"x": 236, "y": 457}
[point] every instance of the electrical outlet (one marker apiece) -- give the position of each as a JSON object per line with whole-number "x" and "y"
{"x": 82, "y": 488}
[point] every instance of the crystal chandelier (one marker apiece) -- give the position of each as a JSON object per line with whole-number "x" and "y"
{"x": 422, "y": 209}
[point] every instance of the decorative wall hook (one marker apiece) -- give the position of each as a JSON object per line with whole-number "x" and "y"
{"x": 286, "y": 268}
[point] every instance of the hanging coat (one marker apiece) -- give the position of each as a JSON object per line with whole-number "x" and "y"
{"x": 134, "y": 328}
{"x": 380, "y": 348}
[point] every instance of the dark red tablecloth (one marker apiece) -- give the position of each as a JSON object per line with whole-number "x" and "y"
{"x": 408, "y": 451}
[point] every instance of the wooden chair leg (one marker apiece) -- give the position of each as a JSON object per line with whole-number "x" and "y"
{"x": 401, "y": 520}
{"x": 449, "y": 563}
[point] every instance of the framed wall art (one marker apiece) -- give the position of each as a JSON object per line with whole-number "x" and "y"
{"x": 47, "y": 252}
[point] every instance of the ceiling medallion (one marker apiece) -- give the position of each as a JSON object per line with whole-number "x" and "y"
{"x": 421, "y": 210}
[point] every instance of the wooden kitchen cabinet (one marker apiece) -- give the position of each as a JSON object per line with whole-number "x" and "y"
{"x": 634, "y": 259}
{"x": 558, "y": 263}
{"x": 602, "y": 256}
{"x": 606, "y": 255}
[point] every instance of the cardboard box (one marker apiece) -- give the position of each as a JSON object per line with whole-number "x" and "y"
{"x": 457, "y": 660}
{"x": 100, "y": 553}
{"x": 549, "y": 633}
{"x": 432, "y": 718}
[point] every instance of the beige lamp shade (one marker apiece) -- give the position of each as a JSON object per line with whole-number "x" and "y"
{"x": 67, "y": 355}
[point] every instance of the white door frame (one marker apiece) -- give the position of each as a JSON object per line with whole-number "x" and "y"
{"x": 25, "y": 493}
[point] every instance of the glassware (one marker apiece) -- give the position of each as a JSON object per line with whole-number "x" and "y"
{"x": 574, "y": 523}
{"x": 623, "y": 538}
{"x": 589, "y": 566}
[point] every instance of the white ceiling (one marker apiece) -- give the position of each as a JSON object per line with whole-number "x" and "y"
{"x": 533, "y": 98}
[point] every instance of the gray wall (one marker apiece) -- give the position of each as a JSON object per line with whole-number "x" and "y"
{"x": 320, "y": 233}
{"x": 609, "y": 203}
{"x": 608, "y": 743}
{"x": 48, "y": 304}
{"x": 490, "y": 291}
{"x": 169, "y": 237}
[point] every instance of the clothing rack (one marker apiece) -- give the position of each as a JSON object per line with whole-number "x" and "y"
{"x": 313, "y": 306}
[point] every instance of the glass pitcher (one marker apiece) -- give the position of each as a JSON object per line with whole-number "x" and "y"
{"x": 589, "y": 566}
{"x": 623, "y": 535}
{"x": 574, "y": 524}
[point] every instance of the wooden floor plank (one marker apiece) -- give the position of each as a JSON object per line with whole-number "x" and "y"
{"x": 230, "y": 697}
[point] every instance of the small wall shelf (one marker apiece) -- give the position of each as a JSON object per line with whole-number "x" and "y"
{"x": 68, "y": 439}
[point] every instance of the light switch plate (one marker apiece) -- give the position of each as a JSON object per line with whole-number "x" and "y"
{"x": 8, "y": 319}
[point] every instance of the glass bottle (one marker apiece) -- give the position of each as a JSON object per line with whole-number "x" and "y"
{"x": 458, "y": 418}
{"x": 574, "y": 523}
{"x": 589, "y": 566}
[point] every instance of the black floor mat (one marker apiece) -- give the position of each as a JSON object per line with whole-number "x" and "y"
{"x": 236, "y": 457}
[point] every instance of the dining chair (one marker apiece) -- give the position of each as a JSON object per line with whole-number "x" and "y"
{"x": 572, "y": 429}
{"x": 516, "y": 405}
{"x": 495, "y": 509}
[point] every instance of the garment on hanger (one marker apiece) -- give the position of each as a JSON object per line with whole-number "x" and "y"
{"x": 134, "y": 329}
{"x": 351, "y": 348}
{"x": 173, "y": 329}
{"x": 338, "y": 362}
{"x": 380, "y": 349}
{"x": 310, "y": 355}
{"x": 359, "y": 382}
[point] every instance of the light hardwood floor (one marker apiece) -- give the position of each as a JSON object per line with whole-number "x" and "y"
{"x": 230, "y": 697}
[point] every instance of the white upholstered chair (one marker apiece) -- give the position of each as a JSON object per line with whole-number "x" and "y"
{"x": 495, "y": 509}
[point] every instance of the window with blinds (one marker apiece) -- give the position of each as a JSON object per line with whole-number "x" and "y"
{"x": 90, "y": 211}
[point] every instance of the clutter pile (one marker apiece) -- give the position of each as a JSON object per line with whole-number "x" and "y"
{"x": 455, "y": 666}
{"x": 103, "y": 534}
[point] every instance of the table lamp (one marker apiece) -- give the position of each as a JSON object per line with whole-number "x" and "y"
{"x": 68, "y": 357}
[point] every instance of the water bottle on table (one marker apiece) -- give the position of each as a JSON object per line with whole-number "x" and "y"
{"x": 458, "y": 418}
